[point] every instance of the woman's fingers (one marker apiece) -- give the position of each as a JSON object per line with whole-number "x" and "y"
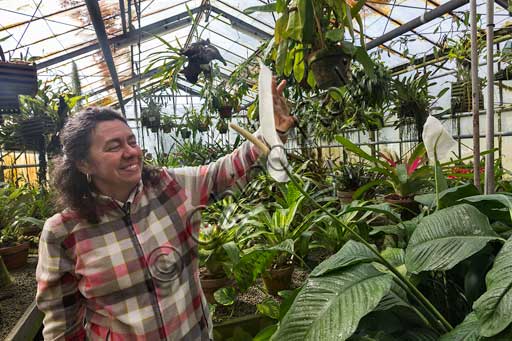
{"x": 280, "y": 87}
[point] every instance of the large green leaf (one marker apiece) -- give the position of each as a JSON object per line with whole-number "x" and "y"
{"x": 330, "y": 307}
{"x": 494, "y": 307}
{"x": 351, "y": 253}
{"x": 447, "y": 237}
{"x": 450, "y": 196}
{"x": 468, "y": 330}
{"x": 495, "y": 206}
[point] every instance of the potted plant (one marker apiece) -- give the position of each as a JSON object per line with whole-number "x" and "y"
{"x": 412, "y": 104}
{"x": 348, "y": 178}
{"x": 222, "y": 126}
{"x": 403, "y": 176}
{"x": 17, "y": 77}
{"x": 213, "y": 256}
{"x": 150, "y": 116}
{"x": 277, "y": 232}
{"x": 224, "y": 102}
{"x": 20, "y": 209}
{"x": 459, "y": 50}
{"x": 167, "y": 124}
{"x": 185, "y": 132}
{"x": 314, "y": 32}
{"x": 197, "y": 120}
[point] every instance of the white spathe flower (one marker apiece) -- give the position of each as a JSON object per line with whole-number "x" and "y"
{"x": 438, "y": 141}
{"x": 277, "y": 157}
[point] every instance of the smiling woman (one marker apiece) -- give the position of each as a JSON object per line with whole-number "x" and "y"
{"x": 122, "y": 255}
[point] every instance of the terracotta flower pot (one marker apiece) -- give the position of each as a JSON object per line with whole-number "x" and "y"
{"x": 15, "y": 256}
{"x": 279, "y": 279}
{"x": 345, "y": 196}
{"x": 210, "y": 285}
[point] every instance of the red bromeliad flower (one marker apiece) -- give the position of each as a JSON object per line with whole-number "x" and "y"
{"x": 413, "y": 166}
{"x": 410, "y": 168}
{"x": 388, "y": 159}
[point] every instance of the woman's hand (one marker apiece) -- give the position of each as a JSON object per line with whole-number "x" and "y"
{"x": 282, "y": 117}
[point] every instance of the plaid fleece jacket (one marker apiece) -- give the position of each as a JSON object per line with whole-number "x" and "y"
{"x": 134, "y": 275}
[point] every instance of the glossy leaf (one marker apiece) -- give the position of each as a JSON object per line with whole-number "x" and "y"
{"x": 468, "y": 330}
{"x": 494, "y": 307}
{"x": 225, "y": 296}
{"x": 330, "y": 307}
{"x": 350, "y": 254}
{"x": 447, "y": 237}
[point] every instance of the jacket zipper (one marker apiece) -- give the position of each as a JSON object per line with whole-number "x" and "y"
{"x": 148, "y": 278}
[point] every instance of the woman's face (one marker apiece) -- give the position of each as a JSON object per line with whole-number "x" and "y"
{"x": 115, "y": 159}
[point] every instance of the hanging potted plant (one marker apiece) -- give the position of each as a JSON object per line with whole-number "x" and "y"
{"x": 197, "y": 121}
{"x": 412, "y": 104}
{"x": 309, "y": 40}
{"x": 150, "y": 116}
{"x": 459, "y": 50}
{"x": 167, "y": 124}
{"x": 222, "y": 126}
{"x": 17, "y": 77}
{"x": 224, "y": 102}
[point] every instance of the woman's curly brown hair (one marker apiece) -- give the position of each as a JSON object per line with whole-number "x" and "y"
{"x": 73, "y": 189}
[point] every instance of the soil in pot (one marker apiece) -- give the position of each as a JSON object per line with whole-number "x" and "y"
{"x": 409, "y": 207}
{"x": 323, "y": 64}
{"x": 278, "y": 279}
{"x": 15, "y": 256}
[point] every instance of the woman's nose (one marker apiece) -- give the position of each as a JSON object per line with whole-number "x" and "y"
{"x": 131, "y": 151}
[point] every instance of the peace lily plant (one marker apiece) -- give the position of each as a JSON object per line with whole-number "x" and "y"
{"x": 360, "y": 281}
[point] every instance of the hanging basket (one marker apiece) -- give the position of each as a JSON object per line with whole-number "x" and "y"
{"x": 16, "y": 78}
{"x": 323, "y": 63}
{"x": 461, "y": 97}
{"x": 185, "y": 133}
{"x": 32, "y": 130}
{"x": 150, "y": 118}
{"x": 226, "y": 111}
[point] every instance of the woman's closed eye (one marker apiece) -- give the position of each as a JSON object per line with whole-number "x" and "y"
{"x": 113, "y": 147}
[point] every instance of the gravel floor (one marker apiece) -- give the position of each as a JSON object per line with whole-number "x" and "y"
{"x": 15, "y": 299}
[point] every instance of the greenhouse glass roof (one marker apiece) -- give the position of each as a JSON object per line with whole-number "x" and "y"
{"x": 56, "y": 33}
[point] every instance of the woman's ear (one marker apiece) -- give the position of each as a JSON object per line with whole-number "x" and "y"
{"x": 83, "y": 166}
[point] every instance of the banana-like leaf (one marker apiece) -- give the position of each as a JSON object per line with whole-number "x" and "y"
{"x": 450, "y": 196}
{"x": 351, "y": 253}
{"x": 330, "y": 307}
{"x": 494, "y": 307}
{"x": 497, "y": 206}
{"x": 447, "y": 237}
{"x": 468, "y": 330}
